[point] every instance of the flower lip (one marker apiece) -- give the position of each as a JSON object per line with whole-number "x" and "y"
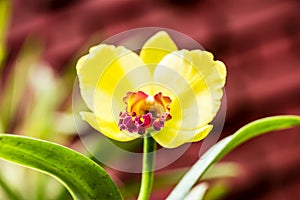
{"x": 144, "y": 112}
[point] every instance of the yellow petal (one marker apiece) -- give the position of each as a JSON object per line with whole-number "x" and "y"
{"x": 102, "y": 58}
{"x": 109, "y": 129}
{"x": 124, "y": 74}
{"x": 170, "y": 137}
{"x": 105, "y": 76}
{"x": 88, "y": 71}
{"x": 197, "y": 80}
{"x": 157, "y": 47}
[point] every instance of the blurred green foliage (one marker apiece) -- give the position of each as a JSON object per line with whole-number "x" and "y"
{"x": 31, "y": 98}
{"x": 4, "y": 19}
{"x": 31, "y": 104}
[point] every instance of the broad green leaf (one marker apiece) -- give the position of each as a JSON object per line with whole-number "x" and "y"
{"x": 81, "y": 176}
{"x": 227, "y": 144}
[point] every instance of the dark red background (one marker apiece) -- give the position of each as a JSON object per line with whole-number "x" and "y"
{"x": 258, "y": 40}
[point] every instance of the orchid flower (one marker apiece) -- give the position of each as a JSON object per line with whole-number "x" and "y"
{"x": 169, "y": 94}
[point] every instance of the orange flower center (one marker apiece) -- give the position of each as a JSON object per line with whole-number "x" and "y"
{"x": 144, "y": 111}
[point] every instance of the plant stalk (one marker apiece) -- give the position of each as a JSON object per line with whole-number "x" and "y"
{"x": 148, "y": 168}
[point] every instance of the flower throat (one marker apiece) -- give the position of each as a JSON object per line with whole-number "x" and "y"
{"x": 144, "y": 112}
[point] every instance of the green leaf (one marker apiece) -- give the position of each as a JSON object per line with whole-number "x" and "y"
{"x": 227, "y": 144}
{"x": 81, "y": 176}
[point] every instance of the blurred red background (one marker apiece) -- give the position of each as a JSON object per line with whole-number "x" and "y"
{"x": 259, "y": 41}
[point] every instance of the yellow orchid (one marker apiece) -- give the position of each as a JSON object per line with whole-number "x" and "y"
{"x": 169, "y": 93}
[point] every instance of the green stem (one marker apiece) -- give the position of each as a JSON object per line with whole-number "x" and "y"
{"x": 148, "y": 168}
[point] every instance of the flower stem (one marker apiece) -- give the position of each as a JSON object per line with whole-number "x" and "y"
{"x": 148, "y": 168}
